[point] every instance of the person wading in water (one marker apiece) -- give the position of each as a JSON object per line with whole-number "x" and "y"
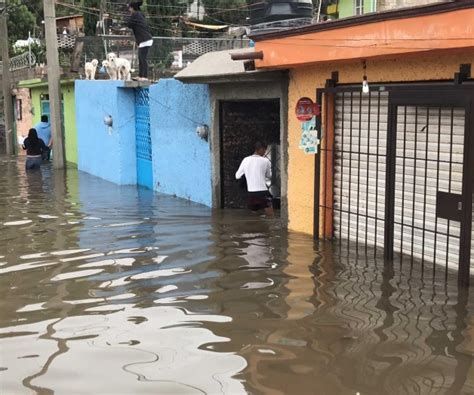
{"x": 137, "y": 22}
{"x": 35, "y": 148}
{"x": 257, "y": 170}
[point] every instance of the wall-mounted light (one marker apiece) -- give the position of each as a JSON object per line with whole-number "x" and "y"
{"x": 365, "y": 83}
{"x": 109, "y": 122}
{"x": 203, "y": 132}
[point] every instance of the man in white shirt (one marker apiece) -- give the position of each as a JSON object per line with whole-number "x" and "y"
{"x": 257, "y": 170}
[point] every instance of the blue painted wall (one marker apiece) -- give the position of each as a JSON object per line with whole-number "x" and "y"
{"x": 108, "y": 155}
{"x": 181, "y": 160}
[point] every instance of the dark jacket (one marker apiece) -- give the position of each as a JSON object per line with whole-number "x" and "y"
{"x": 137, "y": 23}
{"x": 36, "y": 148}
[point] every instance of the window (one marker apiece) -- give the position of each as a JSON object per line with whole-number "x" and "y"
{"x": 358, "y": 7}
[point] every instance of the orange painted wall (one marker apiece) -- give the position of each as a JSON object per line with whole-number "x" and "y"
{"x": 447, "y": 30}
{"x": 305, "y": 80}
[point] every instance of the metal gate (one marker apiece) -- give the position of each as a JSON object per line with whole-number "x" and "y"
{"x": 396, "y": 171}
{"x": 143, "y": 138}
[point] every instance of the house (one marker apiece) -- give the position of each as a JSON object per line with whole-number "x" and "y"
{"x": 346, "y": 8}
{"x": 32, "y": 101}
{"x": 72, "y": 24}
{"x": 393, "y": 172}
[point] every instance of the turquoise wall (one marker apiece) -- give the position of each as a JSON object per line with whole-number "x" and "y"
{"x": 181, "y": 159}
{"x": 108, "y": 154}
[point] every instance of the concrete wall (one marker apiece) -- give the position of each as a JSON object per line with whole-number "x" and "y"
{"x": 70, "y": 124}
{"x": 24, "y": 124}
{"x": 276, "y": 88}
{"x": 346, "y": 8}
{"x": 181, "y": 160}
{"x": 108, "y": 154}
{"x": 383, "y": 5}
{"x": 305, "y": 80}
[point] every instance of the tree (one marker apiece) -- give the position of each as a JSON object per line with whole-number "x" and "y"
{"x": 20, "y": 21}
{"x": 36, "y": 8}
{"x": 162, "y": 14}
{"x": 91, "y": 18}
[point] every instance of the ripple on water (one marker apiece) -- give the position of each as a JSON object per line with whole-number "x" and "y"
{"x": 166, "y": 288}
{"x": 18, "y": 223}
{"x": 78, "y": 274}
{"x": 110, "y": 262}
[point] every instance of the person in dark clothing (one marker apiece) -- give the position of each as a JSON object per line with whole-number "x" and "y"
{"x": 137, "y": 22}
{"x": 35, "y": 147}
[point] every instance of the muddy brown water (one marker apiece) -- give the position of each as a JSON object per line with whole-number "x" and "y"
{"x": 116, "y": 290}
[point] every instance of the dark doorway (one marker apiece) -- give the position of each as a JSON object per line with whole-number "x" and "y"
{"x": 242, "y": 123}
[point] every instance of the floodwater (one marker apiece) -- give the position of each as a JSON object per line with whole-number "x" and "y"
{"x": 115, "y": 290}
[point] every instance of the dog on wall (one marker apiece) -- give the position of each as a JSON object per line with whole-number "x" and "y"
{"x": 112, "y": 72}
{"x": 121, "y": 66}
{"x": 90, "y": 69}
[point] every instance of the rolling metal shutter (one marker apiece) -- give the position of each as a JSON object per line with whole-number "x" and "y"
{"x": 359, "y": 167}
{"x": 429, "y": 158}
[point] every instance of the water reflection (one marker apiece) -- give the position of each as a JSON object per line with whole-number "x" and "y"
{"x": 163, "y": 296}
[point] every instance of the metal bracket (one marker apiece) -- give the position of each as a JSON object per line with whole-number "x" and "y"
{"x": 463, "y": 75}
{"x": 331, "y": 83}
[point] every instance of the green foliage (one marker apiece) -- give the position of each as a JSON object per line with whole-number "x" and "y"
{"x": 38, "y": 49}
{"x": 20, "y": 21}
{"x": 90, "y": 20}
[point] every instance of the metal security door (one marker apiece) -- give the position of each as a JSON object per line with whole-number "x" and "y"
{"x": 429, "y": 178}
{"x": 360, "y": 143}
{"x": 396, "y": 172}
{"x": 143, "y": 138}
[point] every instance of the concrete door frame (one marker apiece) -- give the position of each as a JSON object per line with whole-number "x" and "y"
{"x": 249, "y": 90}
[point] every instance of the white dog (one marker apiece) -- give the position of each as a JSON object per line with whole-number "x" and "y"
{"x": 112, "y": 72}
{"x": 90, "y": 69}
{"x": 121, "y": 66}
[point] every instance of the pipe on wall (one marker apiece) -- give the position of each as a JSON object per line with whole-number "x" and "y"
{"x": 247, "y": 55}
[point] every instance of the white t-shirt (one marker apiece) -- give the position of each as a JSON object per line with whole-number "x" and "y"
{"x": 144, "y": 44}
{"x": 257, "y": 170}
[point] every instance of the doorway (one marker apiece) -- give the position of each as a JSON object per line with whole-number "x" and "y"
{"x": 242, "y": 124}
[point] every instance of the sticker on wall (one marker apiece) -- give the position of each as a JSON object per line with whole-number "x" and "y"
{"x": 309, "y": 137}
{"x": 306, "y": 109}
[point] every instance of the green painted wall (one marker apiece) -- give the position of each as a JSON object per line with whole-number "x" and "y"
{"x": 70, "y": 130}
{"x": 346, "y": 7}
{"x": 70, "y": 123}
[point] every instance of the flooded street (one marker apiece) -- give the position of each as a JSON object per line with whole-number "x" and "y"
{"x": 117, "y": 290}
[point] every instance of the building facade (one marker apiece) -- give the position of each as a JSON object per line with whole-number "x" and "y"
{"x": 348, "y": 8}
{"x": 380, "y": 178}
{"x": 34, "y": 101}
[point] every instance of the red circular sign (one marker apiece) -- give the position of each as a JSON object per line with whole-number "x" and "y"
{"x": 306, "y": 109}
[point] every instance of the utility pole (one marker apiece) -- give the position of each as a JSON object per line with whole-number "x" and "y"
{"x": 6, "y": 81}
{"x": 102, "y": 25}
{"x": 54, "y": 83}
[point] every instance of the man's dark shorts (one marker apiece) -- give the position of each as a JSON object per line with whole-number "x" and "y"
{"x": 259, "y": 200}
